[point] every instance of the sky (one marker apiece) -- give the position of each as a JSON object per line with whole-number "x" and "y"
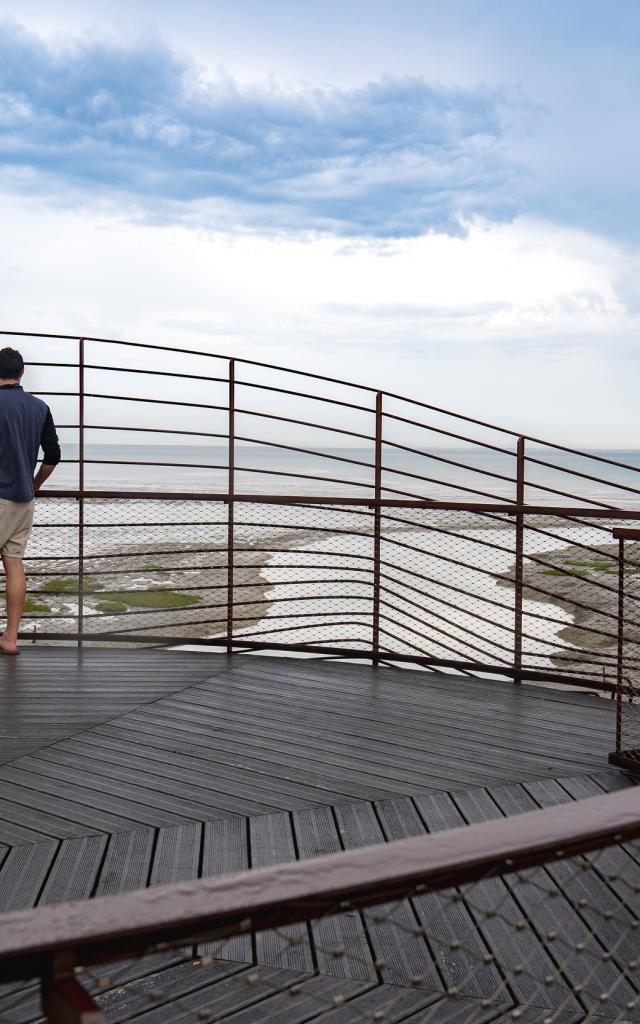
{"x": 438, "y": 198}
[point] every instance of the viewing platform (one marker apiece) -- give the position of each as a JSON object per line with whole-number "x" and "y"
{"x": 344, "y": 727}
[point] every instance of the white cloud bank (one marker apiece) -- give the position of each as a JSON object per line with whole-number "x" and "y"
{"x": 520, "y": 323}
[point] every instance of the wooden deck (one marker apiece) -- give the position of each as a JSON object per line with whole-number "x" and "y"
{"x": 127, "y": 769}
{"x": 100, "y": 741}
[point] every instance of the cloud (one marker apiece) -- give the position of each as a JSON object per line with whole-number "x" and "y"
{"x": 395, "y": 157}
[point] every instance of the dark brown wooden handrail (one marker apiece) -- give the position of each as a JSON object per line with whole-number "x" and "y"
{"x": 132, "y": 924}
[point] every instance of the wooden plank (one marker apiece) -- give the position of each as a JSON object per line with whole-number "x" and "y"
{"x": 339, "y": 943}
{"x": 400, "y": 953}
{"x": 226, "y": 848}
{"x": 23, "y": 874}
{"x": 272, "y": 842}
{"x": 446, "y": 920}
{"x": 520, "y": 957}
{"x": 75, "y": 870}
{"x": 177, "y": 854}
{"x": 127, "y": 862}
{"x": 300, "y": 1001}
{"x": 165, "y": 995}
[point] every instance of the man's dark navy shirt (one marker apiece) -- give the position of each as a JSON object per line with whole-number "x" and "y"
{"x": 26, "y": 425}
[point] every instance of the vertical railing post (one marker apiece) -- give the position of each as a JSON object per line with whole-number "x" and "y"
{"x": 519, "y": 569}
{"x": 620, "y": 651}
{"x": 377, "y": 529}
{"x": 81, "y": 483}
{"x": 231, "y": 504}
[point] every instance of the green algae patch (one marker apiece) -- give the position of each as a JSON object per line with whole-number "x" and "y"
{"x": 35, "y": 606}
{"x": 151, "y": 598}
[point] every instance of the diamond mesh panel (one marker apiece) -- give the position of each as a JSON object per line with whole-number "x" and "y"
{"x": 149, "y": 566}
{"x": 440, "y": 593}
{"x": 570, "y": 611}
{"x": 303, "y": 574}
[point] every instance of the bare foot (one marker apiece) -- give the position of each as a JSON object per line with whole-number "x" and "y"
{"x": 8, "y": 646}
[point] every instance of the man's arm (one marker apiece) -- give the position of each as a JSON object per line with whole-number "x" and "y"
{"x": 51, "y": 452}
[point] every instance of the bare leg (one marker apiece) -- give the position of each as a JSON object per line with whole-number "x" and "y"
{"x": 16, "y": 591}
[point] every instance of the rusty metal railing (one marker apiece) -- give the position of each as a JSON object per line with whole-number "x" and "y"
{"x": 415, "y": 535}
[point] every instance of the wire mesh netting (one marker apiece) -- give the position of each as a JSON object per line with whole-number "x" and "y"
{"x": 570, "y": 581}
{"x": 554, "y": 943}
{"x": 146, "y": 566}
{"x": 442, "y": 588}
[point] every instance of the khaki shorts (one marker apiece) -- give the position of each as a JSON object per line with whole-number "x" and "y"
{"x": 16, "y": 518}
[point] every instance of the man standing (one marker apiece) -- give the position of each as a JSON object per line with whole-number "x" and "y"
{"x": 26, "y": 425}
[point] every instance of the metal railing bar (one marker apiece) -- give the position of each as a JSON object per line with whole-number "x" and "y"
{"x": 571, "y": 573}
{"x": 118, "y": 526}
{"x": 435, "y": 641}
{"x": 585, "y": 455}
{"x": 115, "y": 341}
{"x": 449, "y": 462}
{"x": 156, "y": 373}
{"x": 154, "y": 430}
{"x": 583, "y": 545}
{"x": 449, "y": 604}
{"x": 306, "y": 423}
{"x": 38, "y": 362}
{"x": 148, "y": 401}
{"x": 477, "y": 597}
{"x": 128, "y": 554}
{"x": 201, "y": 568}
{"x": 305, "y": 451}
{"x": 584, "y": 476}
{"x": 426, "y": 504}
{"x": 442, "y": 583}
{"x": 566, "y": 494}
{"x": 164, "y": 465}
{"x": 428, "y": 528}
{"x": 267, "y": 602}
{"x": 302, "y": 394}
{"x": 435, "y": 637}
{"x": 442, "y": 558}
{"x": 440, "y": 483}
{"x": 251, "y": 618}
{"x": 447, "y": 433}
{"x": 559, "y": 599}
{"x": 106, "y": 595}
{"x": 443, "y": 483}
{"x": 492, "y": 622}
{"x": 304, "y": 476}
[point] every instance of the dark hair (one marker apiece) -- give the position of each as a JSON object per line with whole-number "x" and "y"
{"x": 11, "y": 363}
